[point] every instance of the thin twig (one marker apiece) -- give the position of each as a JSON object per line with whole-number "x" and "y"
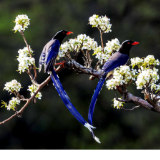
{"x": 34, "y": 68}
{"x": 101, "y": 33}
{"x": 130, "y": 109}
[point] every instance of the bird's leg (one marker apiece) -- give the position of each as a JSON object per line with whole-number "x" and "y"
{"x": 61, "y": 63}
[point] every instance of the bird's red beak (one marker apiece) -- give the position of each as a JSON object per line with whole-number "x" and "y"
{"x": 69, "y": 32}
{"x": 135, "y": 43}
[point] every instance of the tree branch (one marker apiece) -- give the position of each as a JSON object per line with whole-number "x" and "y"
{"x": 17, "y": 113}
{"x": 34, "y": 68}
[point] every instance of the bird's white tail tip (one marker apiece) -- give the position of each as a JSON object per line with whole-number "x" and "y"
{"x": 97, "y": 139}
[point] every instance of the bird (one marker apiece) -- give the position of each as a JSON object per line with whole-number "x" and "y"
{"x": 48, "y": 58}
{"x": 116, "y": 60}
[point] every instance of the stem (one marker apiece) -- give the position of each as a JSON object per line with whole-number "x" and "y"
{"x": 101, "y": 33}
{"x": 35, "y": 73}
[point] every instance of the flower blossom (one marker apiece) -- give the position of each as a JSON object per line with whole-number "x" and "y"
{"x": 24, "y": 59}
{"x": 111, "y": 46}
{"x": 81, "y": 42}
{"x": 145, "y": 62}
{"x": 136, "y": 61}
{"x": 32, "y": 88}
{"x": 117, "y": 104}
{"x": 22, "y": 22}
{"x": 103, "y": 22}
{"x": 155, "y": 87}
{"x": 12, "y": 103}
{"x": 121, "y": 75}
{"x": 150, "y": 60}
{"x": 147, "y": 77}
{"x": 12, "y": 86}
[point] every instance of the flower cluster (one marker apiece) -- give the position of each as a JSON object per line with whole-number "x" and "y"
{"x": 147, "y": 77}
{"x": 33, "y": 89}
{"x": 103, "y": 22}
{"x": 117, "y": 104}
{"x": 121, "y": 75}
{"x": 22, "y": 22}
{"x": 12, "y": 103}
{"x": 12, "y": 86}
{"x": 102, "y": 57}
{"x": 150, "y": 60}
{"x": 155, "y": 87}
{"x": 136, "y": 61}
{"x": 24, "y": 59}
{"x": 148, "y": 74}
{"x": 111, "y": 46}
{"x": 146, "y": 62}
{"x": 81, "y": 42}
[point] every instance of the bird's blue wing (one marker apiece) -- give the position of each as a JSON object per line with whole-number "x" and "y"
{"x": 52, "y": 50}
{"x": 49, "y": 54}
{"x": 68, "y": 104}
{"x": 42, "y": 59}
{"x": 115, "y": 61}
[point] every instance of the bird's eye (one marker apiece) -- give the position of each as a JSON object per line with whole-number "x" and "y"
{"x": 128, "y": 43}
{"x": 64, "y": 33}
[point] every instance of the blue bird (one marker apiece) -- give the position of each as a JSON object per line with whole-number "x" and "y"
{"x": 48, "y": 58}
{"x": 117, "y": 59}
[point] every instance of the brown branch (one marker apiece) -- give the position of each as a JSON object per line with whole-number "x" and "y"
{"x": 130, "y": 109}
{"x": 18, "y": 113}
{"x": 75, "y": 66}
{"x": 34, "y": 68}
{"x": 101, "y": 33}
{"x": 139, "y": 101}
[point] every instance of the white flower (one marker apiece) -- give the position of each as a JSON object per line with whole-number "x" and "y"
{"x": 111, "y": 46}
{"x": 121, "y": 75}
{"x": 147, "y": 77}
{"x": 136, "y": 61}
{"x": 18, "y": 28}
{"x": 32, "y": 88}
{"x": 22, "y": 22}
{"x": 24, "y": 59}
{"x": 103, "y": 22}
{"x": 117, "y": 104}
{"x": 150, "y": 60}
{"x": 155, "y": 87}
{"x": 12, "y": 103}
{"x": 12, "y": 86}
{"x": 146, "y": 62}
{"x": 81, "y": 42}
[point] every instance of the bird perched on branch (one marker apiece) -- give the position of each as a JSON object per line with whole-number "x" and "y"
{"x": 116, "y": 60}
{"x": 48, "y": 58}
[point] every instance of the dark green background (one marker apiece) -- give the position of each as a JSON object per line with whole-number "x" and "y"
{"x": 48, "y": 124}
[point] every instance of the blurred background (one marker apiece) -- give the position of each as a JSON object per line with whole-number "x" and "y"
{"x": 48, "y": 124}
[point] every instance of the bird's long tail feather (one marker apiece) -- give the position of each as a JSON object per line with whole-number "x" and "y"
{"x": 94, "y": 99}
{"x": 69, "y": 105}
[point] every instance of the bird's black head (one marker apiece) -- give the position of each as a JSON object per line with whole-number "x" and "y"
{"x": 61, "y": 35}
{"x": 126, "y": 46}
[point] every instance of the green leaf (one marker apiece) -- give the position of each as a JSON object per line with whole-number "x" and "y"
{"x": 4, "y": 104}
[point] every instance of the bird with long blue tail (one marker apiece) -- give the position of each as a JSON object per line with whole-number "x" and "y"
{"x": 116, "y": 60}
{"x": 48, "y": 58}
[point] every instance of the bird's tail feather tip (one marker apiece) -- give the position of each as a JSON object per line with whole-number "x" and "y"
{"x": 96, "y": 139}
